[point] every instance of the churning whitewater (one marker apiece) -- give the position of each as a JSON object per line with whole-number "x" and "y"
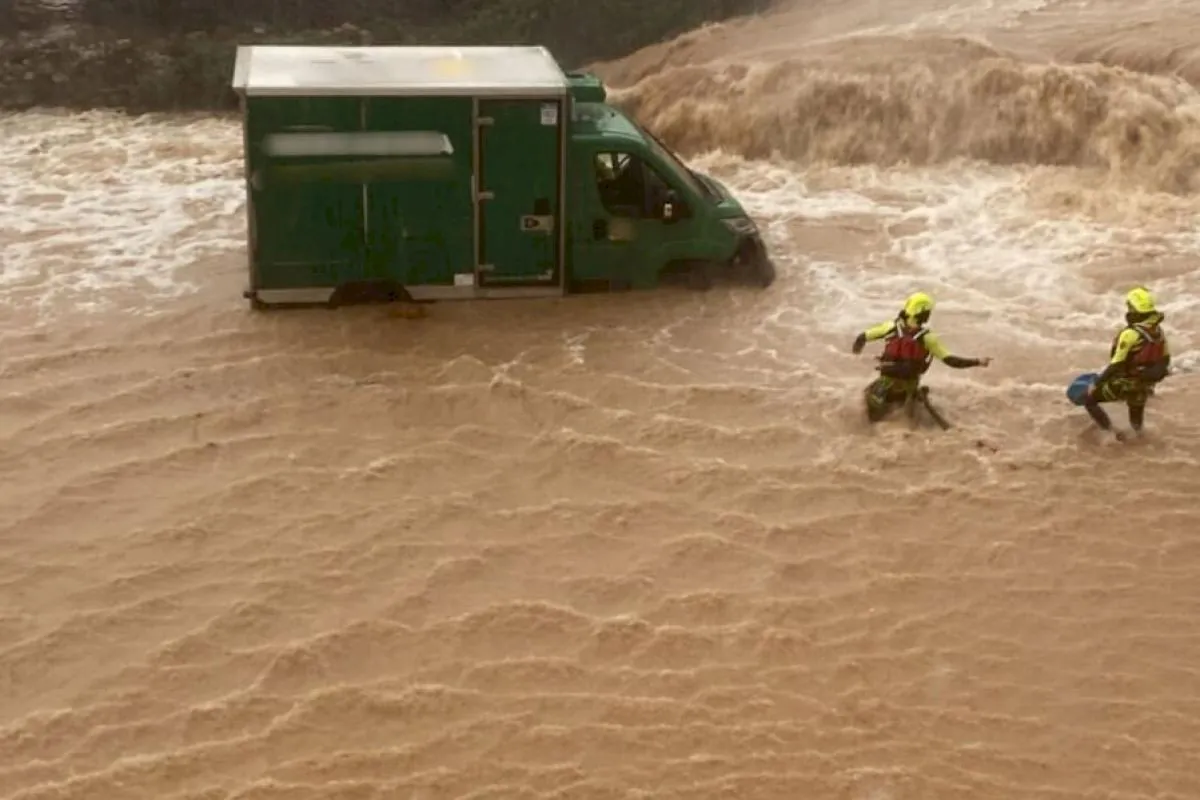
{"x": 640, "y": 545}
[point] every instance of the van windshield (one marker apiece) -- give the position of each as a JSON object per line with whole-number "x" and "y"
{"x": 678, "y": 167}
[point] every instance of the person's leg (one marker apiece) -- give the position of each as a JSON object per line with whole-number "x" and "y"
{"x": 1137, "y": 416}
{"x": 935, "y": 415}
{"x": 881, "y": 397}
{"x": 1107, "y": 392}
{"x": 1136, "y": 400}
{"x": 1098, "y": 414}
{"x": 914, "y": 397}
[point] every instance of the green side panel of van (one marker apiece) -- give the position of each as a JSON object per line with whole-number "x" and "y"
{"x": 420, "y": 219}
{"x": 308, "y": 231}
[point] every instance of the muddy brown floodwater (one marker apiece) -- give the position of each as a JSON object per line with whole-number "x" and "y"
{"x": 638, "y": 546}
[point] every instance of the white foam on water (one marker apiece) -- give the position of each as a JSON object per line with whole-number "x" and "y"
{"x": 1002, "y": 269}
{"x": 992, "y": 254}
{"x": 981, "y": 244}
{"x": 985, "y": 252}
{"x": 95, "y": 203}
{"x": 778, "y": 192}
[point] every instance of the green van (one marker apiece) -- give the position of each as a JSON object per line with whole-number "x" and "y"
{"x": 438, "y": 173}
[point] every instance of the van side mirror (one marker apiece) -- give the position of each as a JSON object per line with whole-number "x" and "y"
{"x": 669, "y": 210}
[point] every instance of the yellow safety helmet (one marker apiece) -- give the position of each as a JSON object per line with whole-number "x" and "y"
{"x": 1140, "y": 301}
{"x": 918, "y": 306}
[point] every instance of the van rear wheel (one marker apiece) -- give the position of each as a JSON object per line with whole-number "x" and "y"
{"x": 360, "y": 293}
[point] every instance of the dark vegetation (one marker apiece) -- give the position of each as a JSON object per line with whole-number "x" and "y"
{"x": 177, "y": 55}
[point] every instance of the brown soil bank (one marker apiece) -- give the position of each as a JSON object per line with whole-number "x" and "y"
{"x": 177, "y": 55}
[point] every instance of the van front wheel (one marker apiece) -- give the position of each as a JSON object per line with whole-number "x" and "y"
{"x": 752, "y": 265}
{"x": 764, "y": 272}
{"x": 699, "y": 276}
{"x": 696, "y": 275}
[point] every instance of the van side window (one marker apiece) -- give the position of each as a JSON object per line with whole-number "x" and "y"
{"x": 628, "y": 186}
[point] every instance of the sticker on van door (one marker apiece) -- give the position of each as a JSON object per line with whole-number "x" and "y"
{"x": 549, "y": 113}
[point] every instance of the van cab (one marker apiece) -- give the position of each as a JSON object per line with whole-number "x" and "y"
{"x": 648, "y": 213}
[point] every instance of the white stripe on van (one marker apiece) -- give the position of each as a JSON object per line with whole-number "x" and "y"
{"x": 361, "y": 143}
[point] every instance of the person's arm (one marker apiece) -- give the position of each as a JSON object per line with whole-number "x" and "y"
{"x": 1120, "y": 352}
{"x": 871, "y": 334}
{"x": 938, "y": 350}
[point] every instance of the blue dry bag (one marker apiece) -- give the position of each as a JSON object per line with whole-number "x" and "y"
{"x": 1077, "y": 391}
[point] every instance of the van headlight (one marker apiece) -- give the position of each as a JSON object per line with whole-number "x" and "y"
{"x": 743, "y": 226}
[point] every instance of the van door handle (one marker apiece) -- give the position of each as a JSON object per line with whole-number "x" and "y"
{"x": 600, "y": 229}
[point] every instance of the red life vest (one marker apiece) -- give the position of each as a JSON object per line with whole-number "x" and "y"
{"x": 904, "y": 353}
{"x": 1147, "y": 358}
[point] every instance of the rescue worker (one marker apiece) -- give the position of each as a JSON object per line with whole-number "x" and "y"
{"x": 909, "y": 349}
{"x": 1138, "y": 360}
